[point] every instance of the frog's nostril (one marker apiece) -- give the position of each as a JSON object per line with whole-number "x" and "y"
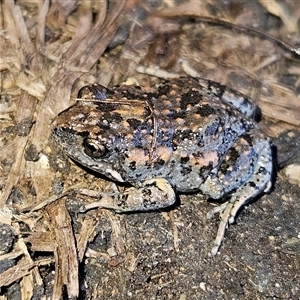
{"x": 62, "y": 128}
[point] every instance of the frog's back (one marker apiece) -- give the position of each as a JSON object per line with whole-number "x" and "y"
{"x": 192, "y": 127}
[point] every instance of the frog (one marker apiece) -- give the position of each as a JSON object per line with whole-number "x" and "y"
{"x": 183, "y": 135}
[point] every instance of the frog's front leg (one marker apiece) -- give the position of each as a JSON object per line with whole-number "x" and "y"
{"x": 252, "y": 172}
{"x": 155, "y": 193}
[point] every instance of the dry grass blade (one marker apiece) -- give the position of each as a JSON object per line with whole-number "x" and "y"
{"x": 65, "y": 252}
{"x": 15, "y": 273}
{"x": 25, "y": 110}
{"x": 18, "y": 30}
{"x": 86, "y": 234}
{"x": 44, "y": 8}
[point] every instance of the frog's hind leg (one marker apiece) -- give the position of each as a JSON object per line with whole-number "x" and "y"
{"x": 232, "y": 97}
{"x": 260, "y": 181}
{"x": 155, "y": 193}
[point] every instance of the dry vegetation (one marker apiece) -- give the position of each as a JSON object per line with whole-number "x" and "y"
{"x": 49, "y": 49}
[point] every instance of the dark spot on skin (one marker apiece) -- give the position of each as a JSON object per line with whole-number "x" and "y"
{"x": 198, "y": 154}
{"x": 151, "y": 97}
{"x": 106, "y": 107}
{"x": 146, "y": 192}
{"x": 180, "y": 135}
{"x": 214, "y": 86}
{"x": 233, "y": 154}
{"x": 132, "y": 165}
{"x": 230, "y": 161}
{"x": 110, "y": 117}
{"x": 116, "y": 117}
{"x": 164, "y": 89}
{"x": 262, "y": 170}
{"x": 134, "y": 123}
{"x": 205, "y": 170}
{"x": 251, "y": 184}
{"x": 153, "y": 183}
{"x": 158, "y": 163}
{"x": 190, "y": 98}
{"x": 184, "y": 160}
{"x": 205, "y": 110}
{"x": 186, "y": 170}
{"x": 122, "y": 201}
{"x": 172, "y": 114}
{"x": 247, "y": 138}
{"x": 246, "y": 124}
{"x": 172, "y": 163}
{"x": 199, "y": 140}
{"x": 200, "y": 144}
{"x": 103, "y": 126}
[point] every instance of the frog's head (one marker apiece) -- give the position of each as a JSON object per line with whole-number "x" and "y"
{"x": 83, "y": 133}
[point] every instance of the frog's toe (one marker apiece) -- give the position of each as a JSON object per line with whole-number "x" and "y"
{"x": 225, "y": 210}
{"x": 268, "y": 187}
{"x": 215, "y": 210}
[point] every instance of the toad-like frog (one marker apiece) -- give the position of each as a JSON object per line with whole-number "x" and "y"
{"x": 184, "y": 135}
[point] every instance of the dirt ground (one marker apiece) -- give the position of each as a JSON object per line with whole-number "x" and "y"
{"x": 48, "y": 248}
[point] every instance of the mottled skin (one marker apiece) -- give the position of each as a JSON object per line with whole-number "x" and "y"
{"x": 184, "y": 135}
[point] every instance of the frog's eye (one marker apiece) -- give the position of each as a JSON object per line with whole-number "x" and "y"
{"x": 94, "y": 148}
